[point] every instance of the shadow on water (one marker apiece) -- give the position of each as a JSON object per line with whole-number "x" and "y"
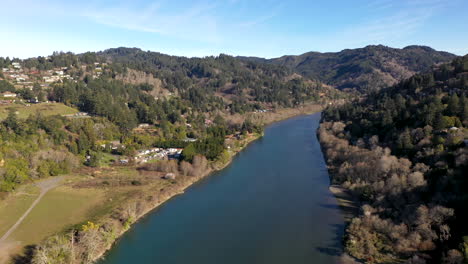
{"x": 347, "y": 209}
{"x": 335, "y": 247}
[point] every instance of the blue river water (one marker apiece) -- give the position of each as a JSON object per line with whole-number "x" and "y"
{"x": 271, "y": 205}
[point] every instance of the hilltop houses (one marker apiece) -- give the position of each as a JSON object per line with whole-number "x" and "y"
{"x": 16, "y": 65}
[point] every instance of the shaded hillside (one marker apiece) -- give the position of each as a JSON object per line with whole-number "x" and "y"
{"x": 403, "y": 151}
{"x": 364, "y": 69}
{"x": 239, "y": 83}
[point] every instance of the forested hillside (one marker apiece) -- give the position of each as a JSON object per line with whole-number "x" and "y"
{"x": 199, "y": 99}
{"x": 403, "y": 152}
{"x": 365, "y": 69}
{"x": 238, "y": 82}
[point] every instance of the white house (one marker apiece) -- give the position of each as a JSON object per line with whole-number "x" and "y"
{"x": 8, "y": 94}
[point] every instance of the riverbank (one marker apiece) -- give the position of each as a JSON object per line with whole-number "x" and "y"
{"x": 346, "y": 200}
{"x": 267, "y": 119}
{"x": 171, "y": 194}
{"x": 270, "y": 205}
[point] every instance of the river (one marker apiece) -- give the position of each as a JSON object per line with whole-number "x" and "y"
{"x": 271, "y": 205}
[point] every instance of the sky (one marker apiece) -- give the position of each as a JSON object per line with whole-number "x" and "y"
{"x": 197, "y": 28}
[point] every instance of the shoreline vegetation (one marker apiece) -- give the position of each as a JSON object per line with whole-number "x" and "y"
{"x": 90, "y": 241}
{"x": 402, "y": 152}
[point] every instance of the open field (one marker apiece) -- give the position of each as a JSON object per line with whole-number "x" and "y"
{"x": 45, "y": 109}
{"x": 78, "y": 199}
{"x": 15, "y": 205}
{"x": 60, "y": 208}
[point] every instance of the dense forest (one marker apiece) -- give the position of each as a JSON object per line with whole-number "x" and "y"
{"x": 241, "y": 82}
{"x": 364, "y": 69}
{"x": 403, "y": 152}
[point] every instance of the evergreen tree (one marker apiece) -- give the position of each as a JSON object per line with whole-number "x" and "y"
{"x": 453, "y": 107}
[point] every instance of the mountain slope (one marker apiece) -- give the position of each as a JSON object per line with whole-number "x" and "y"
{"x": 232, "y": 79}
{"x": 364, "y": 69}
{"x": 403, "y": 151}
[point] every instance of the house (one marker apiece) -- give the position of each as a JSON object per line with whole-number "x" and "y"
{"x": 143, "y": 125}
{"x": 8, "y": 94}
{"x": 77, "y": 115}
{"x": 115, "y": 144}
{"x": 16, "y": 65}
{"x": 170, "y": 176}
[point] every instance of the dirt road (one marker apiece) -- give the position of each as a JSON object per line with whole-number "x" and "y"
{"x": 44, "y": 186}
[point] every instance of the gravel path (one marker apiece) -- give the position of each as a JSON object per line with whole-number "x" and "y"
{"x": 44, "y": 186}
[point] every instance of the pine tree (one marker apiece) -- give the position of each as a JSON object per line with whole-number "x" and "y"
{"x": 11, "y": 121}
{"x": 441, "y": 122}
{"x": 464, "y": 110}
{"x": 453, "y": 107}
{"x": 405, "y": 141}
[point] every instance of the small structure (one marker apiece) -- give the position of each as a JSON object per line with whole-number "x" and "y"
{"x": 115, "y": 144}
{"x": 143, "y": 125}
{"x": 170, "y": 176}
{"x": 8, "y": 94}
{"x": 78, "y": 115}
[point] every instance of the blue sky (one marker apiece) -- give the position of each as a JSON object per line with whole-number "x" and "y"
{"x": 264, "y": 28}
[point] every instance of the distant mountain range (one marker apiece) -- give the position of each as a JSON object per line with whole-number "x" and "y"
{"x": 364, "y": 69}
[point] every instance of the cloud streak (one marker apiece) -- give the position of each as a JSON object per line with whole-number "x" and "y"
{"x": 191, "y": 23}
{"x": 199, "y": 21}
{"x": 402, "y": 21}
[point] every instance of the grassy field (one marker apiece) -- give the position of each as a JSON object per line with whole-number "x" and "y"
{"x": 58, "y": 209}
{"x": 67, "y": 206}
{"x": 15, "y": 205}
{"x": 43, "y": 108}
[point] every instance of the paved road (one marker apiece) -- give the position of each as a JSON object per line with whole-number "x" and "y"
{"x": 45, "y": 186}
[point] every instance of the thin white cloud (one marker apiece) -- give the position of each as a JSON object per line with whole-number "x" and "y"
{"x": 257, "y": 21}
{"x": 191, "y": 23}
{"x": 406, "y": 20}
{"x": 200, "y": 21}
